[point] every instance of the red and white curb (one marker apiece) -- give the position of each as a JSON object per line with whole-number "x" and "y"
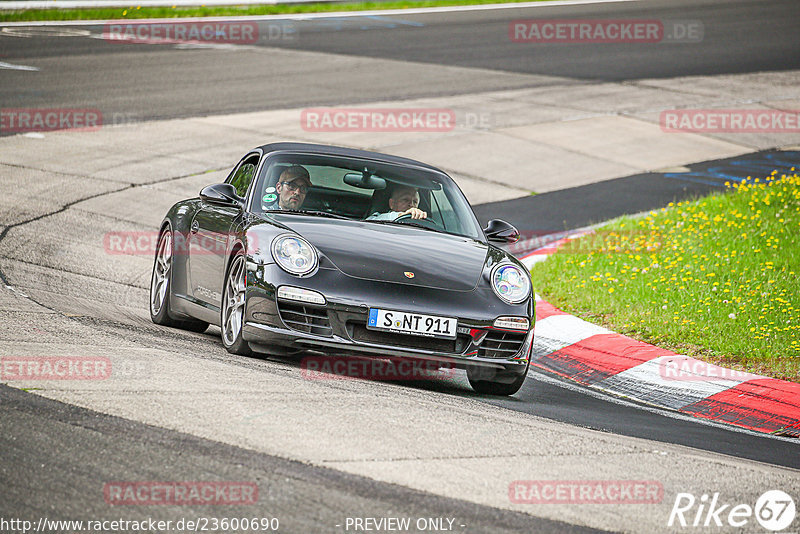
{"x": 604, "y": 360}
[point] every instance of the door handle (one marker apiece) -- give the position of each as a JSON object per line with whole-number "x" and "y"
{"x": 195, "y": 227}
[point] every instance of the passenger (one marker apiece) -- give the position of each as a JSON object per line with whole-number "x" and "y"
{"x": 404, "y": 200}
{"x": 292, "y": 188}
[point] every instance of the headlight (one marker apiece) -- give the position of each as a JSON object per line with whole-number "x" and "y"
{"x": 294, "y": 254}
{"x": 511, "y": 283}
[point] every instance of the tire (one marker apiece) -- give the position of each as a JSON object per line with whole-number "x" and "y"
{"x": 232, "y": 311}
{"x": 486, "y": 381}
{"x": 160, "y": 288}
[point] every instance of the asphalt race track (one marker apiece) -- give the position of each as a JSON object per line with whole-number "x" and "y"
{"x": 321, "y": 452}
{"x": 67, "y": 435}
{"x": 143, "y": 82}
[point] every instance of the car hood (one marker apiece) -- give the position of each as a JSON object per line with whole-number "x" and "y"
{"x": 391, "y": 252}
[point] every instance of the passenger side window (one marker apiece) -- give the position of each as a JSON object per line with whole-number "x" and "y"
{"x": 244, "y": 175}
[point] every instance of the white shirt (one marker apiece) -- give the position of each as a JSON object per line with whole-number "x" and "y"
{"x": 388, "y": 216}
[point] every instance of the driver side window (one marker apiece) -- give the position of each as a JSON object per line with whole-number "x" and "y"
{"x": 244, "y": 175}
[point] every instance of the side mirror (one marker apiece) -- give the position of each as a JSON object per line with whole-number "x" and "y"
{"x": 501, "y": 232}
{"x": 224, "y": 194}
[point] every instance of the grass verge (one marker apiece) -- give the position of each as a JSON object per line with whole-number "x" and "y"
{"x": 138, "y": 12}
{"x": 714, "y": 278}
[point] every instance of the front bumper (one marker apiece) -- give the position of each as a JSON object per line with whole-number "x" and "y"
{"x": 338, "y": 327}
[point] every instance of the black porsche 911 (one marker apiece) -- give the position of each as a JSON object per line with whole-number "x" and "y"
{"x": 304, "y": 248}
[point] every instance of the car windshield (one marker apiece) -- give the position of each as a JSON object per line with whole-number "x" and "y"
{"x": 361, "y": 189}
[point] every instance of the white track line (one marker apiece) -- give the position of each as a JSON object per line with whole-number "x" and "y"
{"x": 558, "y": 331}
{"x": 11, "y": 66}
{"x": 644, "y": 382}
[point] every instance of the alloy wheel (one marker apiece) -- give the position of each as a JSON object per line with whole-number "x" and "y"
{"x": 233, "y": 302}
{"x": 160, "y": 281}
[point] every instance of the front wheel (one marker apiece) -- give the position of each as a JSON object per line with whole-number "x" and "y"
{"x": 489, "y": 381}
{"x": 160, "y": 288}
{"x": 232, "y": 312}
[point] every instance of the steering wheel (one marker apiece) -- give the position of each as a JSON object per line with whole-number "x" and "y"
{"x": 425, "y": 223}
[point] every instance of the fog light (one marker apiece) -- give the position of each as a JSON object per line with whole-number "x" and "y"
{"x": 300, "y": 295}
{"x": 512, "y": 323}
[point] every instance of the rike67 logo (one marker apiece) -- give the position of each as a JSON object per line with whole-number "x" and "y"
{"x": 774, "y": 510}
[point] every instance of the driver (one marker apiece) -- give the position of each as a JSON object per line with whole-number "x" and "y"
{"x": 404, "y": 200}
{"x": 292, "y": 187}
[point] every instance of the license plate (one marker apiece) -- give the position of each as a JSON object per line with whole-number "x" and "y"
{"x": 412, "y": 323}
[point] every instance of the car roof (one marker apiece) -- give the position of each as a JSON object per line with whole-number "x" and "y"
{"x": 343, "y": 151}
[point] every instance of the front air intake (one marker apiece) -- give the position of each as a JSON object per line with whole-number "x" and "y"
{"x": 499, "y": 344}
{"x": 306, "y": 318}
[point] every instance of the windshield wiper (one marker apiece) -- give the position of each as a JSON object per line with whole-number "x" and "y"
{"x": 309, "y": 212}
{"x": 326, "y": 214}
{"x": 415, "y": 225}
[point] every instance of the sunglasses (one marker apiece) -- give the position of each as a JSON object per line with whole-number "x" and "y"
{"x": 294, "y": 187}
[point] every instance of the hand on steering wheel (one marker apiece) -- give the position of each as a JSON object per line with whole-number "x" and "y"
{"x": 407, "y": 218}
{"x": 414, "y": 213}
